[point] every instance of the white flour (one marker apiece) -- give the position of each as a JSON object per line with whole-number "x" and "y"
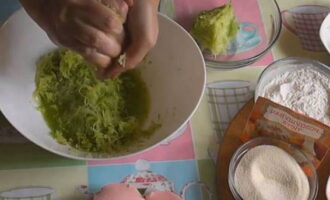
{"x": 267, "y": 172}
{"x": 305, "y": 91}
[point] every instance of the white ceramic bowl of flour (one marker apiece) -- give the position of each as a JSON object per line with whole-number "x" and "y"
{"x": 303, "y": 85}
{"x": 267, "y": 168}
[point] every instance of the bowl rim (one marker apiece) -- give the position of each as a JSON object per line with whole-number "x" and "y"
{"x": 322, "y": 33}
{"x": 88, "y": 156}
{"x": 270, "y": 66}
{"x": 223, "y": 65}
{"x": 243, "y": 149}
{"x": 328, "y": 188}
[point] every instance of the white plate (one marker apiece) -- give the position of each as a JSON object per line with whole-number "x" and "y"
{"x": 175, "y": 79}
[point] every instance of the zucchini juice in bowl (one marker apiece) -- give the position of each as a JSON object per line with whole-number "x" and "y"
{"x": 87, "y": 113}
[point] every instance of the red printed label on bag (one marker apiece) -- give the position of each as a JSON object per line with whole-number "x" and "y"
{"x": 296, "y": 125}
{"x": 273, "y": 120}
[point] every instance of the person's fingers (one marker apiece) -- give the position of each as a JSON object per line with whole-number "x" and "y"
{"x": 93, "y": 38}
{"x": 109, "y": 23}
{"x": 90, "y": 54}
{"x": 76, "y": 39}
{"x": 129, "y": 2}
{"x": 114, "y": 71}
{"x": 134, "y": 54}
{"x": 120, "y": 7}
{"x": 101, "y": 9}
{"x": 102, "y": 61}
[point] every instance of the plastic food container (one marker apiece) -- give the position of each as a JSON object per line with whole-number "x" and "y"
{"x": 298, "y": 155}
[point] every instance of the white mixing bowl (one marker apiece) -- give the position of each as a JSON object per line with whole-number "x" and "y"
{"x": 175, "y": 79}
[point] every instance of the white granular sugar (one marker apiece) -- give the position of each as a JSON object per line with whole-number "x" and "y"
{"x": 267, "y": 172}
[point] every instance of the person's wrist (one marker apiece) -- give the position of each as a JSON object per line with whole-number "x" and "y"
{"x": 36, "y": 9}
{"x": 155, "y": 3}
{"x": 130, "y": 3}
{"x": 33, "y": 7}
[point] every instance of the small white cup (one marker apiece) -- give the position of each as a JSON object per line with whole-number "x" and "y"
{"x": 307, "y": 21}
{"x": 325, "y": 33}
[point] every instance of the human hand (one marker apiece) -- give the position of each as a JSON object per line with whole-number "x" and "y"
{"x": 88, "y": 27}
{"x": 142, "y": 24}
